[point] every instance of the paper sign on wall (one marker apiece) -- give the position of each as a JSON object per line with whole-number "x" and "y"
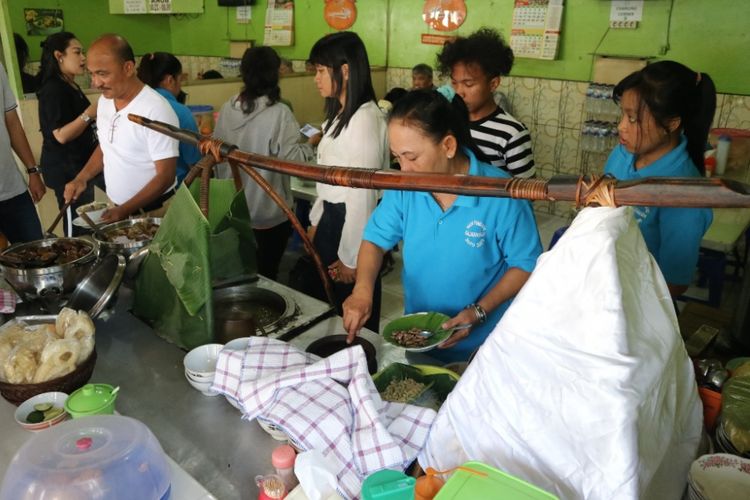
{"x": 279, "y": 27}
{"x": 244, "y": 14}
{"x": 625, "y": 13}
{"x": 135, "y": 7}
{"x": 160, "y": 6}
{"x": 535, "y": 30}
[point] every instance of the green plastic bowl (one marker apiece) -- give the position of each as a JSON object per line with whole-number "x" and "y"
{"x": 92, "y": 399}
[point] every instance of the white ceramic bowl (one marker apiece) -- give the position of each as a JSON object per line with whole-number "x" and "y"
{"x": 239, "y": 344}
{"x": 202, "y": 387}
{"x": 202, "y": 360}
{"x": 23, "y": 410}
{"x": 274, "y": 431}
{"x": 200, "y": 377}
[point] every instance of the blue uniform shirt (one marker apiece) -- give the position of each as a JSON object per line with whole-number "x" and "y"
{"x": 189, "y": 154}
{"x": 453, "y": 258}
{"x": 673, "y": 235}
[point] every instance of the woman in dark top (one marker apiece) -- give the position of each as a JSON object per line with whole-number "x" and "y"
{"x": 66, "y": 116}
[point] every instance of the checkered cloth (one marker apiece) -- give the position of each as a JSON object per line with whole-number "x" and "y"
{"x": 7, "y": 302}
{"x": 328, "y": 404}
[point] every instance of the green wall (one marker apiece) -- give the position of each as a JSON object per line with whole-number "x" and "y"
{"x": 88, "y": 19}
{"x": 710, "y": 35}
{"x": 210, "y": 33}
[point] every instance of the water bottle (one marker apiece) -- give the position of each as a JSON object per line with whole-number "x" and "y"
{"x": 722, "y": 153}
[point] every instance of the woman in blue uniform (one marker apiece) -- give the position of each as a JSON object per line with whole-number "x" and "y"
{"x": 667, "y": 110}
{"x": 464, "y": 256}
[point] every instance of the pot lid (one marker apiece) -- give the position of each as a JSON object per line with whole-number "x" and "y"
{"x": 94, "y": 292}
{"x": 90, "y": 398}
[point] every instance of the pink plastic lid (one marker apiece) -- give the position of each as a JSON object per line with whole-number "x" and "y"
{"x": 283, "y": 457}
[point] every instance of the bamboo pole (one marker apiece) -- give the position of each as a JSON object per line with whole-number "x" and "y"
{"x": 692, "y": 192}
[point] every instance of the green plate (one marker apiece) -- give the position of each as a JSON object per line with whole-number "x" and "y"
{"x": 424, "y": 320}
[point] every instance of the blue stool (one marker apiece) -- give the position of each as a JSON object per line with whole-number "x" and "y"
{"x": 556, "y": 236}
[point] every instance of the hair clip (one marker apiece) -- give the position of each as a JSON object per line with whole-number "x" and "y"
{"x": 447, "y": 92}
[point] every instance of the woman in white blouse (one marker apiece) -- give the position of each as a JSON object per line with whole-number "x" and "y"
{"x": 354, "y": 135}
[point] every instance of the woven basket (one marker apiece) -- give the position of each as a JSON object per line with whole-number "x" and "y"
{"x": 18, "y": 393}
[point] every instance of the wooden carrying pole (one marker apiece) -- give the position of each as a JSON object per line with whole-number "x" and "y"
{"x": 583, "y": 191}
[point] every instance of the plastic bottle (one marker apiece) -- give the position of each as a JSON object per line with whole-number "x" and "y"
{"x": 270, "y": 487}
{"x": 282, "y": 460}
{"x": 722, "y": 153}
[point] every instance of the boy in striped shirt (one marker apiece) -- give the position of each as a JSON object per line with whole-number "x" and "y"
{"x": 475, "y": 65}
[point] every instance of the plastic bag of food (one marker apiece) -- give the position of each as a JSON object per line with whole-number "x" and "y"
{"x": 735, "y": 412}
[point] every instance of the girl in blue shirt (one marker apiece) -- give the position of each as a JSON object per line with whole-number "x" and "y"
{"x": 162, "y": 72}
{"x": 667, "y": 110}
{"x": 464, "y": 256}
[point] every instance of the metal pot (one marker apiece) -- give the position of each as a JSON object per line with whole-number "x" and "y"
{"x": 126, "y": 249}
{"x": 48, "y": 281}
{"x": 244, "y": 310}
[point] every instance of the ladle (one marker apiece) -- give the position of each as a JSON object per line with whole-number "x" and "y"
{"x": 57, "y": 219}
{"x": 97, "y": 229}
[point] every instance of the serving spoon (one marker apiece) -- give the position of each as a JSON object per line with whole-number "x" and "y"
{"x": 429, "y": 333}
{"x": 96, "y": 227}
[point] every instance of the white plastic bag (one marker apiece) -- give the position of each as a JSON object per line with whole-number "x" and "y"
{"x": 584, "y": 388}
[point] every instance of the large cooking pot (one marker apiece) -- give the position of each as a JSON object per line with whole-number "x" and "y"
{"x": 127, "y": 247}
{"x": 247, "y": 309}
{"x": 51, "y": 280}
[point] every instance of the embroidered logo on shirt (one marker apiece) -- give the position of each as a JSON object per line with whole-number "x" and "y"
{"x": 641, "y": 213}
{"x": 475, "y": 234}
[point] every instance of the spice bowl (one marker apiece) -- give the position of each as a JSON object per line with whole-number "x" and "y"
{"x": 200, "y": 363}
{"x": 24, "y": 410}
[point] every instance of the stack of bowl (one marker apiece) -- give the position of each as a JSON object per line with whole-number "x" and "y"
{"x": 200, "y": 367}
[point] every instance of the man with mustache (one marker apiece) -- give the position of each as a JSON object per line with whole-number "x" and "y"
{"x": 139, "y": 164}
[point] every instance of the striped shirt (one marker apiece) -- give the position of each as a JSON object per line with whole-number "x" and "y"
{"x": 505, "y": 142}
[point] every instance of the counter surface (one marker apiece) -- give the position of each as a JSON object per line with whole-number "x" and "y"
{"x": 204, "y": 435}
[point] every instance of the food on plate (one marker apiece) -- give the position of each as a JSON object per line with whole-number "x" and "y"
{"x": 140, "y": 231}
{"x": 59, "y": 252}
{"x": 42, "y": 415}
{"x": 402, "y": 390}
{"x": 410, "y": 338}
{"x": 38, "y": 353}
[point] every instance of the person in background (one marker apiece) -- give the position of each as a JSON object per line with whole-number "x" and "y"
{"x": 667, "y": 110}
{"x": 421, "y": 77}
{"x": 309, "y": 67}
{"x": 66, "y": 118}
{"x": 211, "y": 74}
{"x": 475, "y": 65}
{"x": 19, "y": 221}
{"x": 390, "y": 98}
{"x": 29, "y": 82}
{"x": 257, "y": 122}
{"x": 139, "y": 163}
{"x": 354, "y": 135}
{"x": 464, "y": 256}
{"x": 163, "y": 72}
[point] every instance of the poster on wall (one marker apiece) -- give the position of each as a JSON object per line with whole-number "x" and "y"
{"x": 43, "y": 22}
{"x": 535, "y": 30}
{"x": 340, "y": 14}
{"x": 279, "y": 26}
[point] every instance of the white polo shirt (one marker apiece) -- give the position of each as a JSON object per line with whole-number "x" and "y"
{"x": 130, "y": 150}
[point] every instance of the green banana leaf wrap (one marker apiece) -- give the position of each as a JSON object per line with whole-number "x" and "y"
{"x": 174, "y": 285}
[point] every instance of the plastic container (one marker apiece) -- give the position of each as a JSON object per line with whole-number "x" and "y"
{"x": 711, "y": 406}
{"x": 112, "y": 457}
{"x": 388, "y": 485}
{"x": 483, "y": 481}
{"x": 204, "y": 117}
{"x": 709, "y": 165}
{"x": 282, "y": 459}
{"x": 270, "y": 487}
{"x": 722, "y": 153}
{"x": 92, "y": 399}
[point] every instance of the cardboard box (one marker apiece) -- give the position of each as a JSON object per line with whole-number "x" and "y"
{"x": 700, "y": 325}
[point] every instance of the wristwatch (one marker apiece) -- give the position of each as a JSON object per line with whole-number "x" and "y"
{"x": 86, "y": 118}
{"x": 32, "y": 170}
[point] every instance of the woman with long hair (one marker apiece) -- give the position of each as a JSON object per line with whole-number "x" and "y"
{"x": 66, "y": 117}
{"x": 667, "y": 110}
{"x": 464, "y": 256}
{"x": 163, "y": 72}
{"x": 354, "y": 135}
{"x": 258, "y": 122}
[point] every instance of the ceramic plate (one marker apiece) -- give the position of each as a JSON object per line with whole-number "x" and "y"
{"x": 424, "y": 320}
{"x": 23, "y": 410}
{"x": 96, "y": 216}
{"x": 720, "y": 476}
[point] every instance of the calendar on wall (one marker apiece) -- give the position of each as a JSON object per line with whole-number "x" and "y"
{"x": 535, "y": 30}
